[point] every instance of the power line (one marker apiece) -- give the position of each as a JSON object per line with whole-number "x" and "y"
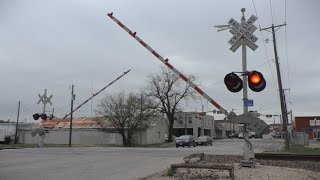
{"x": 210, "y": 85}
{"x": 285, "y": 11}
{"x": 287, "y": 57}
{"x": 11, "y": 115}
{"x": 265, "y": 48}
{"x": 271, "y": 11}
{"x": 25, "y": 107}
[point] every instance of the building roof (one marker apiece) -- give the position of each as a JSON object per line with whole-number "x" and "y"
{"x": 82, "y": 122}
{"x": 87, "y": 122}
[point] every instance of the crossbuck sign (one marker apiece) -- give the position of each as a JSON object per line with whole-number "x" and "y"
{"x": 243, "y": 30}
{"x": 44, "y": 99}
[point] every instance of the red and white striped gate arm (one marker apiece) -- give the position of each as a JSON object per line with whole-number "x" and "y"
{"x": 97, "y": 93}
{"x": 165, "y": 61}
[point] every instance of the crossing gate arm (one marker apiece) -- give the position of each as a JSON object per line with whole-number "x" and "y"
{"x": 166, "y": 62}
{"x": 96, "y": 93}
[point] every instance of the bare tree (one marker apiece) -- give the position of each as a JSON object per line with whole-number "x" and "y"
{"x": 127, "y": 113}
{"x": 168, "y": 90}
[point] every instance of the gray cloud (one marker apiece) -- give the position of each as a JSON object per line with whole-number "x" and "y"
{"x": 52, "y": 44}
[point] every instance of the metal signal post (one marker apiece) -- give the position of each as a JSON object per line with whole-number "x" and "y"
{"x": 243, "y": 36}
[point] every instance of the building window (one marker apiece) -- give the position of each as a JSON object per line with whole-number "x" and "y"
{"x": 159, "y": 135}
{"x": 190, "y": 120}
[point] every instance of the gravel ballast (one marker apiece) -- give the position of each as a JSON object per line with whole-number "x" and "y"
{"x": 264, "y": 170}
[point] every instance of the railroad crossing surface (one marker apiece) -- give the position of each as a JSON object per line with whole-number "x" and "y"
{"x": 111, "y": 163}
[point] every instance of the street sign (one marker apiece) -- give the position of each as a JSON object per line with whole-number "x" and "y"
{"x": 243, "y": 30}
{"x": 251, "y": 29}
{"x": 248, "y": 102}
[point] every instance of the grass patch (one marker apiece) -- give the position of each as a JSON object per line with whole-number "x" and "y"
{"x": 305, "y": 150}
{"x": 169, "y": 172}
{"x": 300, "y": 150}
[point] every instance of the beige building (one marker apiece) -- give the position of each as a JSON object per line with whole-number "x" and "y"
{"x": 94, "y": 130}
{"x": 200, "y": 123}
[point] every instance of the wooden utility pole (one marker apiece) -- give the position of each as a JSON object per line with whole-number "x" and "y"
{"x": 70, "y": 129}
{"x": 17, "y": 125}
{"x": 281, "y": 92}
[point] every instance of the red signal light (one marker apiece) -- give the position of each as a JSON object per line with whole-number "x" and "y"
{"x": 256, "y": 81}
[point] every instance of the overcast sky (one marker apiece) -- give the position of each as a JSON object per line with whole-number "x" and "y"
{"x": 53, "y": 44}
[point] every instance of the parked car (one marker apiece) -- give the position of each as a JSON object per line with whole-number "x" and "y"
{"x": 234, "y": 135}
{"x": 204, "y": 140}
{"x": 255, "y": 135}
{"x": 185, "y": 140}
{"x": 276, "y": 135}
{"x": 252, "y": 134}
{"x": 240, "y": 136}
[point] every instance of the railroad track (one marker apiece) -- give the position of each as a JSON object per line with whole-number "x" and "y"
{"x": 289, "y": 157}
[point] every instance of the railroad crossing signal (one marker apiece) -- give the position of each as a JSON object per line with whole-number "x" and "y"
{"x": 36, "y": 116}
{"x": 44, "y": 99}
{"x": 244, "y": 30}
{"x": 233, "y": 82}
{"x": 43, "y": 116}
{"x": 256, "y": 81}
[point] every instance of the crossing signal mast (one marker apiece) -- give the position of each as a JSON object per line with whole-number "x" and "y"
{"x": 243, "y": 36}
{"x": 165, "y": 61}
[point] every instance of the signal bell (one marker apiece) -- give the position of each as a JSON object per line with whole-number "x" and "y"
{"x": 256, "y": 81}
{"x": 233, "y": 82}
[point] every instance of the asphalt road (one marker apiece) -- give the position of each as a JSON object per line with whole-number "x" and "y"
{"x": 108, "y": 163}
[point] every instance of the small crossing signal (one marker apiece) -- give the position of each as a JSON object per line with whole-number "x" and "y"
{"x": 36, "y": 116}
{"x": 43, "y": 116}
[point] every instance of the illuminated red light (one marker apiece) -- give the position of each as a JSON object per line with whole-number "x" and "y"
{"x": 255, "y": 78}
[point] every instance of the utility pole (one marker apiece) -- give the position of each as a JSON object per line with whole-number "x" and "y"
{"x": 202, "y": 122}
{"x": 16, "y": 134}
{"x": 70, "y": 130}
{"x": 141, "y": 120}
{"x": 281, "y": 93}
{"x": 185, "y": 124}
